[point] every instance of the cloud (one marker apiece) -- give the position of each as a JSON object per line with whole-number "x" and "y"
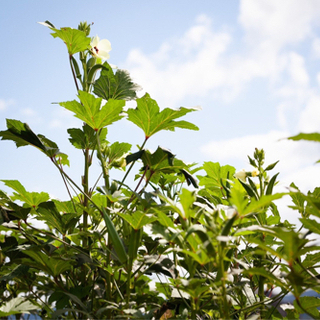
{"x": 185, "y": 66}
{"x": 278, "y": 23}
{"x": 5, "y": 104}
{"x": 276, "y": 39}
{"x": 296, "y": 159}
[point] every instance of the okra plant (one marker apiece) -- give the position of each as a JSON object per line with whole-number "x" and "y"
{"x": 162, "y": 242}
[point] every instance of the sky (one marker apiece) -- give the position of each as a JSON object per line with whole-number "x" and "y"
{"x": 252, "y": 66}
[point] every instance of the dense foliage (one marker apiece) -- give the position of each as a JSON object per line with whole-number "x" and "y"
{"x": 171, "y": 243}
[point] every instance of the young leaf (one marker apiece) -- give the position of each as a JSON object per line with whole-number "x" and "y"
{"x": 117, "y": 86}
{"x": 271, "y": 184}
{"x": 74, "y": 39}
{"x": 148, "y": 117}
{"x": 91, "y": 112}
{"x": 271, "y": 166}
{"x": 114, "y": 154}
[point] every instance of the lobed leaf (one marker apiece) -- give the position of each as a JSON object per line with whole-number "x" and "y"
{"x": 75, "y": 40}
{"x": 118, "y": 86}
{"x": 148, "y": 117}
{"x": 91, "y": 112}
{"x": 32, "y": 199}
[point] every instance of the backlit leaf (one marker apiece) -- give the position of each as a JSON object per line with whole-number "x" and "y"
{"x": 91, "y": 112}
{"x": 75, "y": 40}
{"x": 148, "y": 117}
{"x": 32, "y": 199}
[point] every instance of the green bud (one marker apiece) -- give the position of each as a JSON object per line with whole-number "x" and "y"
{"x": 85, "y": 27}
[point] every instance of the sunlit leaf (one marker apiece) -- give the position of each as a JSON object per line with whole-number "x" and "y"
{"x": 74, "y": 39}
{"x": 148, "y": 117}
{"x": 315, "y": 136}
{"x": 138, "y": 219}
{"x": 91, "y": 112}
{"x": 15, "y": 306}
{"x": 32, "y": 199}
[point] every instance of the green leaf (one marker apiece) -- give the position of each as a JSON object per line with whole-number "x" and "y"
{"x": 271, "y": 184}
{"x": 117, "y": 86}
{"x": 249, "y": 189}
{"x": 310, "y": 304}
{"x": 262, "y": 203}
{"x": 161, "y": 159}
{"x": 148, "y": 117}
{"x": 306, "y": 136}
{"x": 264, "y": 273}
{"x": 164, "y": 219}
{"x": 62, "y": 159}
{"x": 17, "y": 272}
{"x": 271, "y": 166}
{"x": 22, "y": 135}
{"x": 41, "y": 261}
{"x": 91, "y": 112}
{"x": 115, "y": 238}
{"x": 310, "y": 224}
{"x": 32, "y": 199}
{"x": 203, "y": 235}
{"x": 216, "y": 176}
{"x": 190, "y": 179}
{"x": 138, "y": 219}
{"x": 15, "y": 306}
{"x": 48, "y": 212}
{"x": 74, "y": 39}
{"x": 114, "y": 154}
{"x": 86, "y": 138}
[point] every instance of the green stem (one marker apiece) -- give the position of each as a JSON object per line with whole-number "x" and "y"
{"x": 132, "y": 164}
{"x": 103, "y": 163}
{"x": 85, "y": 184}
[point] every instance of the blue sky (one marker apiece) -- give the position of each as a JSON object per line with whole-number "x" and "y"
{"x": 253, "y": 67}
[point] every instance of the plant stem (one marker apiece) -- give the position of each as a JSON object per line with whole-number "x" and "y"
{"x": 132, "y": 164}
{"x": 103, "y": 163}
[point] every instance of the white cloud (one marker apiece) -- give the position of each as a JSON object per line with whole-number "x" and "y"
{"x": 296, "y": 159}
{"x": 278, "y": 23}
{"x": 182, "y": 67}
{"x": 4, "y": 104}
{"x": 203, "y": 63}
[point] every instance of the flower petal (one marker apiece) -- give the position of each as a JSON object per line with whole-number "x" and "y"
{"x": 95, "y": 41}
{"x": 104, "y": 45}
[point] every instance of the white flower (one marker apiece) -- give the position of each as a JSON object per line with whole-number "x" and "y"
{"x": 100, "y": 48}
{"x": 241, "y": 175}
{"x": 255, "y": 172}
